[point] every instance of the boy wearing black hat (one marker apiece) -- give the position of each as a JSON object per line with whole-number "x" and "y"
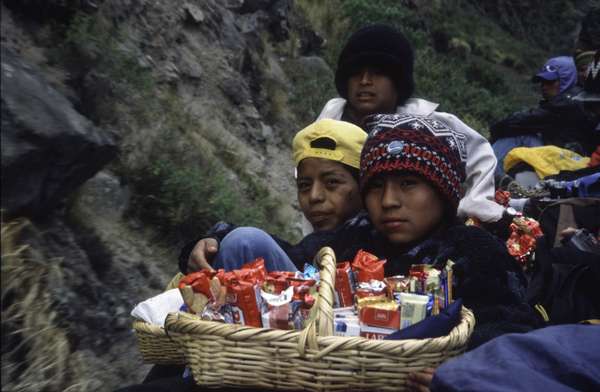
{"x": 375, "y": 75}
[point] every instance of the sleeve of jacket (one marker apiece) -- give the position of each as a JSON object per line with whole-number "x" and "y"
{"x": 542, "y": 120}
{"x": 218, "y": 232}
{"x": 478, "y": 200}
{"x": 334, "y": 108}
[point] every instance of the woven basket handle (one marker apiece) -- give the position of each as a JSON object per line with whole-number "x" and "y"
{"x": 323, "y": 320}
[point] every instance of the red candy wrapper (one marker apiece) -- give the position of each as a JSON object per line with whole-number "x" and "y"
{"x": 502, "y": 197}
{"x": 344, "y": 284}
{"x": 199, "y": 281}
{"x": 242, "y": 297}
{"x": 301, "y": 287}
{"x": 373, "y": 288}
{"x": 523, "y": 238}
{"x": 275, "y": 285}
{"x": 368, "y": 267}
{"x": 259, "y": 272}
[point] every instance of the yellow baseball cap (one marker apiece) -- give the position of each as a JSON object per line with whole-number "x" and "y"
{"x": 335, "y": 140}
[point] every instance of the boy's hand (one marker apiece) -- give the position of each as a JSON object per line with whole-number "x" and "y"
{"x": 421, "y": 380}
{"x": 202, "y": 254}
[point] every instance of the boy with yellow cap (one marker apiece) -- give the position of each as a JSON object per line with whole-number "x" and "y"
{"x": 327, "y": 158}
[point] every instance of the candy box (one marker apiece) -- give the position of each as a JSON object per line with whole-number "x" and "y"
{"x": 383, "y": 318}
{"x": 377, "y": 333}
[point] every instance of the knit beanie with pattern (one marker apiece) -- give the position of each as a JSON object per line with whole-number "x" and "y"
{"x": 378, "y": 46}
{"x": 400, "y": 143}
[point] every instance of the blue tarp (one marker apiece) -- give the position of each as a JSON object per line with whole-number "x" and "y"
{"x": 557, "y": 358}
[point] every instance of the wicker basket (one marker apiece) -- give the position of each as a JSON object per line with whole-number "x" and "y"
{"x": 233, "y": 355}
{"x": 154, "y": 344}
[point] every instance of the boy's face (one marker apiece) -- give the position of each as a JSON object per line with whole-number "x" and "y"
{"x": 550, "y": 88}
{"x": 370, "y": 91}
{"x": 405, "y": 208}
{"x": 327, "y": 193}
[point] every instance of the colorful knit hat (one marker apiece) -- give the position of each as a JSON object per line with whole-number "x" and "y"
{"x": 377, "y": 46}
{"x": 415, "y": 144}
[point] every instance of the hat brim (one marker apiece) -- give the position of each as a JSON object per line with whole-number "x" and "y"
{"x": 585, "y": 96}
{"x": 548, "y": 76}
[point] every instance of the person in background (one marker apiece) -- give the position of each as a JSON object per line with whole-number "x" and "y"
{"x": 375, "y": 75}
{"x": 582, "y": 62}
{"x": 590, "y": 97}
{"x": 558, "y": 120}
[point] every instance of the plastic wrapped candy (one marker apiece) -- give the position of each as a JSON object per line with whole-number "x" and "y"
{"x": 523, "y": 238}
{"x": 502, "y": 197}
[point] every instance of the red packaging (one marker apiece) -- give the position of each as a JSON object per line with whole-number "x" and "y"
{"x": 202, "y": 285}
{"x": 275, "y": 285}
{"x": 258, "y": 269}
{"x": 190, "y": 278}
{"x": 367, "y": 267}
{"x": 242, "y": 296}
{"x": 282, "y": 274}
{"x": 199, "y": 281}
{"x": 383, "y": 318}
{"x": 344, "y": 284}
{"x": 502, "y": 197}
{"x": 221, "y": 274}
{"x": 373, "y": 288}
{"x": 301, "y": 287}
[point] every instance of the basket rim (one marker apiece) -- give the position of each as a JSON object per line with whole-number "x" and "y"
{"x": 190, "y": 324}
{"x": 146, "y": 327}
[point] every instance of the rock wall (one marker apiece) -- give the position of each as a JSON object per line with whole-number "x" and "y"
{"x": 66, "y": 158}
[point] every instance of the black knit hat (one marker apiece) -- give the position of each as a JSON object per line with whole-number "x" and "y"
{"x": 381, "y": 46}
{"x": 405, "y": 143}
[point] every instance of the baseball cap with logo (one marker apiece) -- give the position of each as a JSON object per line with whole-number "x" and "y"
{"x": 558, "y": 68}
{"x": 335, "y": 140}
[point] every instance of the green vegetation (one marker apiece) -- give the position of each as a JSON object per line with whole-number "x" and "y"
{"x": 180, "y": 188}
{"x": 186, "y": 200}
{"x": 310, "y": 93}
{"x": 121, "y": 82}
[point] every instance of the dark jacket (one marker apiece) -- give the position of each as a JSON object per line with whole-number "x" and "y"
{"x": 488, "y": 279}
{"x": 560, "y": 121}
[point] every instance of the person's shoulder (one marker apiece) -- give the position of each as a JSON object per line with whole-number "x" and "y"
{"x": 471, "y": 234}
{"x": 334, "y": 108}
{"x": 418, "y": 107}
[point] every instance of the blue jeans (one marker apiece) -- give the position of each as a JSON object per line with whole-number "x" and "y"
{"x": 503, "y": 146}
{"x": 246, "y": 244}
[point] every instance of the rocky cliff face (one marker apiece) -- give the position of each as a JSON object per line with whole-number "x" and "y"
{"x": 94, "y": 96}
